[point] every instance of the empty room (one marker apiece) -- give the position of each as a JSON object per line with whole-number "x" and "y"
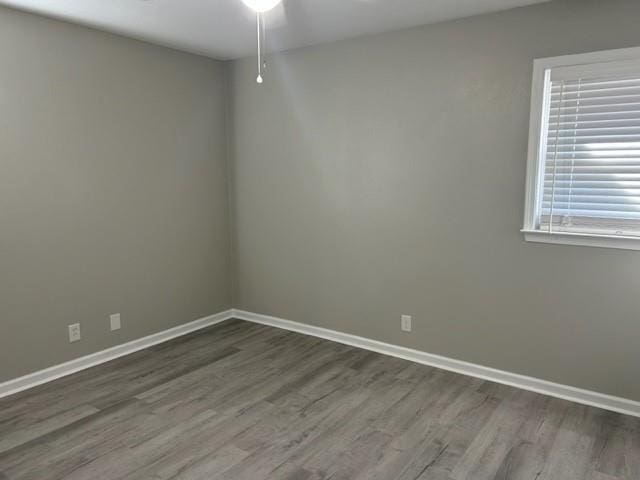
{"x": 320, "y": 240}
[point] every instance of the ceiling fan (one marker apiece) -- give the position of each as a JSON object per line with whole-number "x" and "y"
{"x": 261, "y": 7}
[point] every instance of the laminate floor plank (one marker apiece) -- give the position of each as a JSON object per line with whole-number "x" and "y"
{"x": 243, "y": 401}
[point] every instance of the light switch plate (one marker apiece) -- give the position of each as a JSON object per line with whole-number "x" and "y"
{"x": 405, "y": 323}
{"x": 115, "y": 321}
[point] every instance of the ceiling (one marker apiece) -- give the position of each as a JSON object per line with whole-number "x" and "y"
{"x": 225, "y": 29}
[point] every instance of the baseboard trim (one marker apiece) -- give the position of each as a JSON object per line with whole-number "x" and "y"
{"x": 578, "y": 395}
{"x": 48, "y": 374}
{"x": 566, "y": 392}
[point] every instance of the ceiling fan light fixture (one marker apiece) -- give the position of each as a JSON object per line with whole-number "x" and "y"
{"x": 261, "y": 6}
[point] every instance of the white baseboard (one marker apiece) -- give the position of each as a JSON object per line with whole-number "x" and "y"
{"x": 42, "y": 376}
{"x": 578, "y": 395}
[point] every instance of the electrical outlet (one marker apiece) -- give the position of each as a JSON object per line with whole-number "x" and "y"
{"x": 74, "y": 332}
{"x": 115, "y": 321}
{"x": 405, "y": 323}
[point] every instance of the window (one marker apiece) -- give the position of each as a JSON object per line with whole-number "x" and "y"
{"x": 583, "y": 173}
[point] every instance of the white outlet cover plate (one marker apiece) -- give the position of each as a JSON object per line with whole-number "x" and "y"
{"x": 74, "y": 332}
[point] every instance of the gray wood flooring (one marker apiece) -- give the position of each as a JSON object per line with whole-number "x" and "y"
{"x": 244, "y": 401}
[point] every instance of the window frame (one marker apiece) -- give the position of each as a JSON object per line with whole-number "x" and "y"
{"x": 537, "y": 149}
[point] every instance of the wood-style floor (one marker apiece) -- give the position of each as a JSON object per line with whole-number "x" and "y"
{"x": 244, "y": 401}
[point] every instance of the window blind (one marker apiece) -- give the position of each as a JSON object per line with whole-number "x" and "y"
{"x": 591, "y": 149}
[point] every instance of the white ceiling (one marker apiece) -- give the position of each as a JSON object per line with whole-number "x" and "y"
{"x": 225, "y": 29}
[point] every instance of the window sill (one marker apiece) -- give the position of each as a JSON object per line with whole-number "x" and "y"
{"x": 583, "y": 239}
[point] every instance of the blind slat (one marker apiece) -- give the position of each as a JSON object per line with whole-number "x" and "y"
{"x": 601, "y": 108}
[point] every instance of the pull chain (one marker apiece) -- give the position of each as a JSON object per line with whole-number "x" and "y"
{"x": 258, "y": 22}
{"x": 264, "y": 41}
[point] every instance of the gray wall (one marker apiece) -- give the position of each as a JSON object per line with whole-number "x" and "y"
{"x": 372, "y": 177}
{"x": 112, "y": 190}
{"x": 385, "y": 175}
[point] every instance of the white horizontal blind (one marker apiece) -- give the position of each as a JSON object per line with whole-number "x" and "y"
{"x": 591, "y": 174}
